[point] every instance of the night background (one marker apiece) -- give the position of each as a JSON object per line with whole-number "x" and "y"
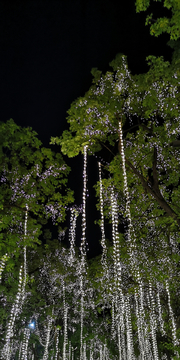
{"x": 47, "y": 51}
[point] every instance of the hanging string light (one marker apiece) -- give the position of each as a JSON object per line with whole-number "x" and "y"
{"x": 25, "y": 260}
{"x": 57, "y": 344}
{"x": 65, "y": 323}
{"x": 175, "y": 340}
{"x": 161, "y": 321}
{"x": 72, "y": 233}
{"x": 3, "y": 261}
{"x": 13, "y": 314}
{"x": 83, "y": 238}
{"x": 103, "y": 241}
{"x": 46, "y": 353}
{"x": 24, "y": 350}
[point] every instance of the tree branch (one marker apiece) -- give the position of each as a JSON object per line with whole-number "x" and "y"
{"x": 154, "y": 192}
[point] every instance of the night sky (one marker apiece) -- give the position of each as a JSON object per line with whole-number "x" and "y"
{"x": 47, "y": 51}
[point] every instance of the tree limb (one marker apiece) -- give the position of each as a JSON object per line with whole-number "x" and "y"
{"x": 155, "y": 193}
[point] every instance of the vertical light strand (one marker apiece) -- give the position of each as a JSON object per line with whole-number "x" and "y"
{"x": 113, "y": 320}
{"x": 114, "y": 238}
{"x": 130, "y": 231}
{"x": 70, "y": 350}
{"x": 139, "y": 329}
{"x": 130, "y": 349}
{"x": 131, "y": 235}
{"x": 119, "y": 342}
{"x": 84, "y": 350}
{"x": 4, "y": 258}
{"x": 82, "y": 317}
{"x": 72, "y": 234}
{"x": 161, "y": 321}
{"x": 152, "y": 301}
{"x": 175, "y": 340}
{"x": 25, "y": 344}
{"x": 65, "y": 324}
{"x": 153, "y": 331}
{"x": 122, "y": 328}
{"x": 45, "y": 356}
{"x": 153, "y": 321}
{"x": 25, "y": 261}
{"x": 100, "y": 353}
{"x": 103, "y": 241}
{"x": 13, "y": 314}
{"x": 57, "y": 344}
{"x": 83, "y": 238}
{"x": 83, "y": 249}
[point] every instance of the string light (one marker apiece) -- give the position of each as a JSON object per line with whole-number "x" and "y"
{"x": 103, "y": 241}
{"x": 175, "y": 340}
{"x": 3, "y": 261}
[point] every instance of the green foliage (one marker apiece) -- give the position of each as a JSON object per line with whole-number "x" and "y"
{"x": 170, "y": 24}
{"x": 31, "y": 176}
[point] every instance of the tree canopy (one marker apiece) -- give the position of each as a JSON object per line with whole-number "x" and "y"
{"x": 169, "y": 23}
{"x": 31, "y": 177}
{"x": 133, "y": 123}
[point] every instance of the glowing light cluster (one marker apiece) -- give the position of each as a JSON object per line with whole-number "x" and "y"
{"x": 83, "y": 238}
{"x": 46, "y": 352}
{"x": 103, "y": 241}
{"x": 72, "y": 233}
{"x": 3, "y": 261}
{"x": 175, "y": 340}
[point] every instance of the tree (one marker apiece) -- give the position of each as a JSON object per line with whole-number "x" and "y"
{"x": 169, "y": 24}
{"x": 31, "y": 177}
{"x": 146, "y": 106}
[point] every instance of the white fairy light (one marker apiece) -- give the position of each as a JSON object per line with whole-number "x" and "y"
{"x": 25, "y": 342}
{"x": 175, "y": 340}
{"x": 103, "y": 241}
{"x": 3, "y": 261}
{"x": 82, "y": 317}
{"x": 57, "y": 344}
{"x": 72, "y": 233}
{"x": 83, "y": 239}
{"x": 13, "y": 314}
{"x": 65, "y": 323}
{"x": 161, "y": 321}
{"x": 152, "y": 305}
{"x": 153, "y": 331}
{"x": 130, "y": 349}
{"x": 25, "y": 261}
{"x": 45, "y": 356}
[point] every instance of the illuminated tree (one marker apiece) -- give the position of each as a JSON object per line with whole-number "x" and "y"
{"x": 147, "y": 108}
{"x": 169, "y": 24}
{"x": 33, "y": 177}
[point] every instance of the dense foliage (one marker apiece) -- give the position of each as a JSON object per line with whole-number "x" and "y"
{"x": 55, "y": 295}
{"x": 31, "y": 177}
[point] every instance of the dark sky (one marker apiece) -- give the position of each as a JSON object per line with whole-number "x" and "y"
{"x": 47, "y": 50}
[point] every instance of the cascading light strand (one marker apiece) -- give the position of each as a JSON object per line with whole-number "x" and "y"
{"x": 25, "y": 344}
{"x": 13, "y": 314}
{"x": 83, "y": 238}
{"x": 175, "y": 340}
{"x": 45, "y": 356}
{"x": 130, "y": 349}
{"x": 25, "y": 260}
{"x": 3, "y": 261}
{"x": 57, "y": 344}
{"x": 161, "y": 321}
{"x": 83, "y": 250}
{"x": 65, "y": 324}
{"x": 153, "y": 331}
{"x": 72, "y": 233}
{"x": 103, "y": 241}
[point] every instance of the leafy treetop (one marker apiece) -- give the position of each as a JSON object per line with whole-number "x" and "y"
{"x": 169, "y": 24}
{"x": 30, "y": 176}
